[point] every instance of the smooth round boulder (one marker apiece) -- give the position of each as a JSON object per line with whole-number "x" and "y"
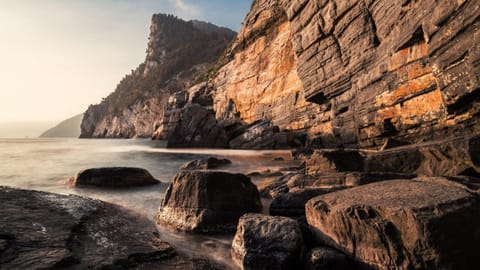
{"x": 425, "y": 223}
{"x": 208, "y": 202}
{"x": 267, "y": 242}
{"x": 113, "y": 177}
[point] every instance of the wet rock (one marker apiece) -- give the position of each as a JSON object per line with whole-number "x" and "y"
{"x": 334, "y": 161}
{"x": 425, "y": 223}
{"x": 113, "y": 177}
{"x": 343, "y": 179}
{"x": 208, "y": 202}
{"x": 48, "y": 231}
{"x": 205, "y": 164}
{"x": 197, "y": 127}
{"x": 259, "y": 135}
{"x": 449, "y": 157}
{"x": 276, "y": 187}
{"x": 325, "y": 258}
{"x": 265, "y": 174}
{"x": 392, "y": 143}
{"x": 266, "y": 242}
{"x": 292, "y": 204}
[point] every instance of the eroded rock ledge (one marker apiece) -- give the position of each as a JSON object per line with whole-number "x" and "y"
{"x": 41, "y": 230}
{"x": 425, "y": 223}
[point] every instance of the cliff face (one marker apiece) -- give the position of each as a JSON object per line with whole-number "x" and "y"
{"x": 322, "y": 73}
{"x": 356, "y": 72}
{"x": 178, "y": 54}
{"x": 261, "y": 82}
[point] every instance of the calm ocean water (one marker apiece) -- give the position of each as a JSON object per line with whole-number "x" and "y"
{"x": 45, "y": 165}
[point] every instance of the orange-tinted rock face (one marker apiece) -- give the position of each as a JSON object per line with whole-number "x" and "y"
{"x": 356, "y": 72}
{"x": 261, "y": 80}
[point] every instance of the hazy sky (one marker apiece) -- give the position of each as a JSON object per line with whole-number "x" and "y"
{"x": 59, "y": 56}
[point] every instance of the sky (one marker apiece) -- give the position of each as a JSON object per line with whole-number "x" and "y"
{"x": 59, "y": 56}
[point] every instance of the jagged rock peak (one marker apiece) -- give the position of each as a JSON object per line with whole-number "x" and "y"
{"x": 168, "y": 33}
{"x": 178, "y": 55}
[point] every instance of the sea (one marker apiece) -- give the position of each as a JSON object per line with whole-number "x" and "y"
{"x": 47, "y": 164}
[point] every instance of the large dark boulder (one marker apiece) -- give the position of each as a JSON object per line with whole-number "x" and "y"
{"x": 266, "y": 242}
{"x": 205, "y": 164}
{"x": 208, "y": 202}
{"x": 41, "y": 230}
{"x": 197, "y": 127}
{"x": 425, "y": 223}
{"x": 114, "y": 177}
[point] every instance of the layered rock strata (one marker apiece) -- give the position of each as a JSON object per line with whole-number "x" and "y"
{"x": 451, "y": 157}
{"x": 407, "y": 70}
{"x": 356, "y": 73}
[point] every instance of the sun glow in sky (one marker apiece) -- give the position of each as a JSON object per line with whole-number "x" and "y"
{"x": 59, "y": 56}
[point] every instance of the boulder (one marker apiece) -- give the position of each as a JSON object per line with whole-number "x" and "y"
{"x": 334, "y": 161}
{"x": 425, "y": 223}
{"x": 325, "y": 258}
{"x": 343, "y": 179}
{"x": 208, "y": 202}
{"x": 450, "y": 157}
{"x": 41, "y": 230}
{"x": 292, "y": 204}
{"x": 276, "y": 187}
{"x": 205, "y": 164}
{"x": 197, "y": 127}
{"x": 113, "y": 177}
{"x": 266, "y": 242}
{"x": 259, "y": 135}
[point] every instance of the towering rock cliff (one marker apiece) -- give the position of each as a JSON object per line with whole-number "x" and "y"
{"x": 355, "y": 73}
{"x": 178, "y": 54}
{"x": 408, "y": 69}
{"x": 322, "y": 73}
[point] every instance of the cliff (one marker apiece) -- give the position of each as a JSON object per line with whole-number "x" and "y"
{"x": 306, "y": 73}
{"x": 356, "y": 73}
{"x": 179, "y": 53}
{"x": 69, "y": 128}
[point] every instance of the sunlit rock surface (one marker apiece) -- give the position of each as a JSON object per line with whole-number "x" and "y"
{"x": 379, "y": 69}
{"x": 352, "y": 73}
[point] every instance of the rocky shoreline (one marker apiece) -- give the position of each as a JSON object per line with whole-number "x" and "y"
{"x": 398, "y": 208}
